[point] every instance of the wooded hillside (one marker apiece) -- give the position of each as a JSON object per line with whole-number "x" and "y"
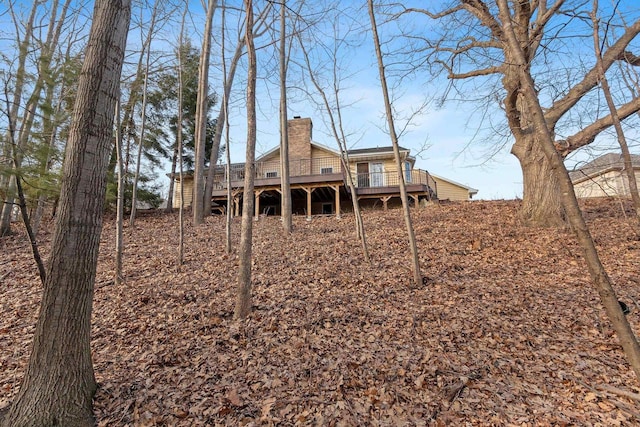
{"x": 506, "y": 330}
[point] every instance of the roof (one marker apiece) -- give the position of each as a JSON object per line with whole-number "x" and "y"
{"x": 471, "y": 190}
{"x": 276, "y": 149}
{"x": 376, "y": 150}
{"x": 605, "y": 163}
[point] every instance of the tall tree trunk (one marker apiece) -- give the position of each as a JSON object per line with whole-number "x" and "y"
{"x": 118, "y": 277}
{"x": 622, "y": 140}
{"x": 180, "y": 140}
{"x": 59, "y": 382}
{"x": 226, "y": 82}
{"x": 172, "y": 179}
{"x": 545, "y": 138}
{"x": 413, "y": 247}
{"x": 285, "y": 187}
{"x": 243, "y": 296}
{"x": 143, "y": 119}
{"x": 19, "y": 85}
{"x": 337, "y": 129}
{"x": 220, "y": 122}
{"x": 201, "y": 119}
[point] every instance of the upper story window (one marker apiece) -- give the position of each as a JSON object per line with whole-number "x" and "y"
{"x": 325, "y": 171}
{"x": 407, "y": 171}
{"x": 272, "y": 174}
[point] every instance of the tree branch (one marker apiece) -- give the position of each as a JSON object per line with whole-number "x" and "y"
{"x": 589, "y": 133}
{"x": 591, "y": 79}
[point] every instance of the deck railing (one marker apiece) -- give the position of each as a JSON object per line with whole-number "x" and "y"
{"x": 323, "y": 166}
{"x": 297, "y": 167}
{"x": 391, "y": 179}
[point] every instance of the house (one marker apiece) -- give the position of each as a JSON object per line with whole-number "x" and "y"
{"x": 451, "y": 190}
{"x": 318, "y": 178}
{"x": 604, "y": 176}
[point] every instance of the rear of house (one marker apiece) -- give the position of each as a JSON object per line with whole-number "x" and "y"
{"x": 318, "y": 178}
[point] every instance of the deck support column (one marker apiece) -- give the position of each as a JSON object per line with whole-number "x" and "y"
{"x": 257, "y": 194}
{"x": 415, "y": 200}
{"x": 308, "y": 190}
{"x": 236, "y": 206}
{"x": 385, "y": 199}
{"x": 336, "y": 188}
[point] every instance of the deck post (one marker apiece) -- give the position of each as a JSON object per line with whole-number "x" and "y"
{"x": 336, "y": 188}
{"x": 257, "y": 194}
{"x": 415, "y": 200}
{"x": 385, "y": 199}
{"x": 308, "y": 190}
{"x": 236, "y": 206}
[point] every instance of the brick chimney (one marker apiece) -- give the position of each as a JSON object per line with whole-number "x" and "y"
{"x": 299, "y": 138}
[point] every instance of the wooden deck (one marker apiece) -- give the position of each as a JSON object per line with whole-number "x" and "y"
{"x": 322, "y": 181}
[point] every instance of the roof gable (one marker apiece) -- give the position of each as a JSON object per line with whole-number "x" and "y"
{"x": 602, "y": 164}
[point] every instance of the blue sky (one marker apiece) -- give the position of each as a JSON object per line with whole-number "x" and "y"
{"x": 458, "y": 137}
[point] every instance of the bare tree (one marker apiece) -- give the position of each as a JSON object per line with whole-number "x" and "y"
{"x": 615, "y": 118}
{"x": 243, "y": 297}
{"x": 22, "y": 201}
{"x": 59, "y": 382}
{"x": 179, "y": 142}
{"x": 415, "y": 261}
{"x": 143, "y": 120}
{"x": 544, "y": 136}
{"x": 468, "y": 47}
{"x": 333, "y": 110}
{"x": 22, "y": 132}
{"x": 285, "y": 186}
{"x": 229, "y": 76}
{"x": 118, "y": 276}
{"x": 201, "y": 118}
{"x": 225, "y": 120}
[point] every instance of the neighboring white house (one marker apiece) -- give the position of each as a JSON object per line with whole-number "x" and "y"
{"x": 604, "y": 176}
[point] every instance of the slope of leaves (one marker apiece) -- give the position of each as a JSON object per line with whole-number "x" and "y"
{"x": 506, "y": 329}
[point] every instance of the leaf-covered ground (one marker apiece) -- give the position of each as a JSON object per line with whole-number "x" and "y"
{"x": 506, "y": 329}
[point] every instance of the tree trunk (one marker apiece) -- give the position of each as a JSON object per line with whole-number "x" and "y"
{"x": 285, "y": 186}
{"x": 19, "y": 85}
{"x": 545, "y": 139}
{"x": 118, "y": 277}
{"x": 59, "y": 383}
{"x": 220, "y": 122}
{"x": 143, "y": 119}
{"x": 413, "y": 247}
{"x": 201, "y": 119}
{"x": 541, "y": 203}
{"x": 179, "y": 142}
{"x": 243, "y": 297}
{"x": 172, "y": 179}
{"x": 622, "y": 140}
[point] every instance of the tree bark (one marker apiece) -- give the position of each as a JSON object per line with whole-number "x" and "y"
{"x": 201, "y": 119}
{"x": 285, "y": 187}
{"x": 541, "y": 202}
{"x": 59, "y": 382}
{"x": 545, "y": 138}
{"x": 615, "y": 118}
{"x": 413, "y": 247}
{"x": 143, "y": 119}
{"x": 243, "y": 296}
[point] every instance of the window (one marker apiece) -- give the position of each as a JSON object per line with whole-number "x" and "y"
{"x": 272, "y": 174}
{"x": 407, "y": 172}
{"x": 325, "y": 171}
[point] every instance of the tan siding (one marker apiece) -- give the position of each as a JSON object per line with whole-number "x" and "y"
{"x": 450, "y": 191}
{"x": 188, "y": 193}
{"x": 607, "y": 184}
